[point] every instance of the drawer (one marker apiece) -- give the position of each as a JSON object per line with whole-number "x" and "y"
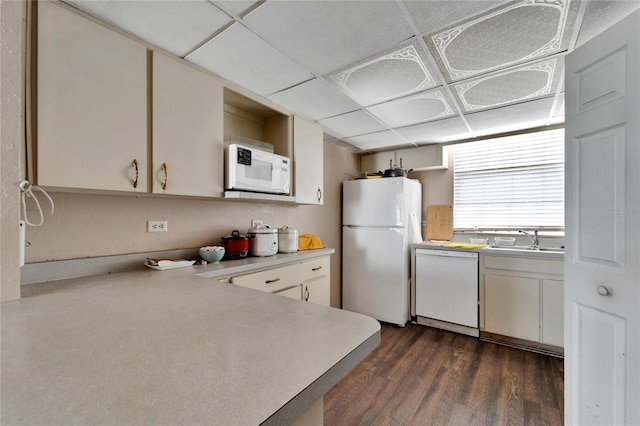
{"x": 271, "y": 280}
{"x": 313, "y": 268}
{"x": 276, "y": 279}
{"x": 524, "y": 264}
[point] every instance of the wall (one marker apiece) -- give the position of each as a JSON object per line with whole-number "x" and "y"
{"x": 100, "y": 225}
{"x": 12, "y": 22}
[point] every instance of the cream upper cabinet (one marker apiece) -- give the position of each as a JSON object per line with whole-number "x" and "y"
{"x": 378, "y": 162}
{"x": 308, "y": 148}
{"x": 427, "y": 157}
{"x": 91, "y": 105}
{"x": 187, "y": 111}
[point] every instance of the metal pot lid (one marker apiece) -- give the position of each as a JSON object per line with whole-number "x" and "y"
{"x": 235, "y": 235}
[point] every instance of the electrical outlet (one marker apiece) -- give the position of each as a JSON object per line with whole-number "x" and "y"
{"x": 157, "y": 226}
{"x": 255, "y": 223}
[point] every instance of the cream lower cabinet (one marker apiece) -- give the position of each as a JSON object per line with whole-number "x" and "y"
{"x": 307, "y": 280}
{"x": 522, "y": 298}
{"x": 187, "y": 130}
{"x": 317, "y": 291}
{"x": 91, "y": 128}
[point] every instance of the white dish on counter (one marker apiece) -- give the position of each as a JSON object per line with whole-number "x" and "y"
{"x": 164, "y": 265}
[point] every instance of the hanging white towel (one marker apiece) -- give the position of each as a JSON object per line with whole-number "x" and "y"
{"x": 415, "y": 228}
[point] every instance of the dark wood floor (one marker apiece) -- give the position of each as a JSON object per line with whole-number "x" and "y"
{"x": 421, "y": 376}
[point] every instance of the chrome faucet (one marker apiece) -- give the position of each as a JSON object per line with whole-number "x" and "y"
{"x": 534, "y": 239}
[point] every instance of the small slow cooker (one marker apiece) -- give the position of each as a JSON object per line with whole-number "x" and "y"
{"x": 287, "y": 240}
{"x": 236, "y": 246}
{"x": 263, "y": 240}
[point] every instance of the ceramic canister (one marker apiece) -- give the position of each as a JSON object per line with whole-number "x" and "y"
{"x": 287, "y": 240}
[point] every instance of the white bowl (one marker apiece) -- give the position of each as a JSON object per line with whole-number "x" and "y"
{"x": 504, "y": 241}
{"x": 479, "y": 240}
{"x": 212, "y": 254}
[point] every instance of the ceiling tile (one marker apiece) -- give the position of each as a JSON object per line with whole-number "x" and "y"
{"x": 504, "y": 37}
{"x": 450, "y": 129}
{"x": 316, "y": 99}
{"x": 234, "y": 7}
{"x": 525, "y": 82}
{"x": 601, "y": 14}
{"x": 390, "y": 75}
{"x": 351, "y": 124}
{"x": 240, "y": 56}
{"x": 430, "y": 16}
{"x": 328, "y": 35}
{"x": 176, "y": 26}
{"x": 426, "y": 106}
{"x": 515, "y": 117}
{"x": 386, "y": 139}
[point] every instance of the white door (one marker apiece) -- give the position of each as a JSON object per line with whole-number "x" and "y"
{"x": 602, "y": 300}
{"x": 373, "y": 202}
{"x": 375, "y": 273}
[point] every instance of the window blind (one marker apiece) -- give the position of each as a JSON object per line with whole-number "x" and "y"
{"x": 510, "y": 183}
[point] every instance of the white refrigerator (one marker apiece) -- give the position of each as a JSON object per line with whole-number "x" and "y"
{"x": 380, "y": 220}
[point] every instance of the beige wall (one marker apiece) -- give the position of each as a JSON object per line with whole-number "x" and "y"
{"x": 12, "y": 22}
{"x": 99, "y": 225}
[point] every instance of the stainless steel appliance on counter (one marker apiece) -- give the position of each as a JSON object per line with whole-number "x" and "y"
{"x": 380, "y": 221}
{"x": 447, "y": 290}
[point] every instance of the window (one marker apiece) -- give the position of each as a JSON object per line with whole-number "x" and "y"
{"x": 510, "y": 182}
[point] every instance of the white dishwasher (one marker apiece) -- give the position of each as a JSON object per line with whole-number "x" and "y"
{"x": 447, "y": 290}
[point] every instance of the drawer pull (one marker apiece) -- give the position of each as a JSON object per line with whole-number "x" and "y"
{"x": 166, "y": 176}
{"x": 317, "y": 268}
{"x": 134, "y": 164}
{"x": 306, "y": 294}
{"x": 275, "y": 280}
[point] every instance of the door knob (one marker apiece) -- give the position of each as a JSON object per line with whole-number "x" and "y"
{"x": 603, "y": 291}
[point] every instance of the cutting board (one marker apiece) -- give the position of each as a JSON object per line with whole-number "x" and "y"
{"x": 439, "y": 222}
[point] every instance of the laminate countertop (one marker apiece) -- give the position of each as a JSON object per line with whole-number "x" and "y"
{"x": 150, "y": 347}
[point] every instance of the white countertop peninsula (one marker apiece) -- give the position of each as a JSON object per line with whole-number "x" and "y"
{"x": 150, "y": 347}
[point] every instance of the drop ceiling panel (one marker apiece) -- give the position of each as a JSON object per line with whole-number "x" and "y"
{"x": 525, "y": 115}
{"x": 386, "y": 139}
{"x": 521, "y": 83}
{"x": 601, "y": 14}
{"x": 327, "y": 35}
{"x": 234, "y": 7}
{"x": 449, "y": 129}
{"x": 316, "y": 99}
{"x": 240, "y": 56}
{"x": 426, "y": 106}
{"x": 351, "y": 124}
{"x": 430, "y": 16}
{"x": 393, "y": 74}
{"x": 503, "y": 37}
{"x": 176, "y": 26}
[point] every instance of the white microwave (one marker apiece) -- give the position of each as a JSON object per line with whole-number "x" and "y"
{"x": 254, "y": 170}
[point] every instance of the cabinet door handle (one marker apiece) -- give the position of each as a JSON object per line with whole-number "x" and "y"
{"x": 603, "y": 291}
{"x": 275, "y": 280}
{"x": 306, "y": 293}
{"x": 317, "y": 268}
{"x": 134, "y": 163}
{"x": 319, "y": 194}
{"x": 166, "y": 176}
